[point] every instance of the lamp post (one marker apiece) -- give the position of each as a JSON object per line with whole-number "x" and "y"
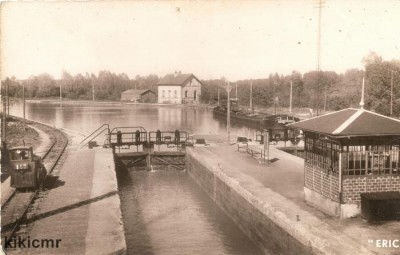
{"x": 218, "y": 98}
{"x": 92, "y": 90}
{"x": 291, "y": 97}
{"x": 236, "y": 92}
{"x": 276, "y": 103}
{"x": 251, "y": 96}
{"x": 228, "y": 115}
{"x": 8, "y": 100}
{"x": 391, "y": 94}
{"x": 4, "y": 126}
{"x": 60, "y": 91}
{"x": 23, "y": 99}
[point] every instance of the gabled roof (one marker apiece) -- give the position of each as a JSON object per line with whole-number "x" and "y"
{"x": 351, "y": 122}
{"x": 179, "y": 79}
{"x": 136, "y": 91}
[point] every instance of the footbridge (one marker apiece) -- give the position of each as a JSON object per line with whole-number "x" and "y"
{"x": 135, "y": 148}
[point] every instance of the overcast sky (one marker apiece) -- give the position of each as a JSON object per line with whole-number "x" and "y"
{"x": 234, "y": 39}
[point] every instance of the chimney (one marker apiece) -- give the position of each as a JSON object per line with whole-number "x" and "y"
{"x": 175, "y": 74}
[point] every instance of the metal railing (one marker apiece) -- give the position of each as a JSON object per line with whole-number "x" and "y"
{"x": 104, "y": 127}
{"x": 127, "y": 136}
{"x": 168, "y": 137}
{"x": 120, "y": 136}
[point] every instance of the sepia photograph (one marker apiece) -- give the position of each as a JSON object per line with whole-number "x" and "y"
{"x": 198, "y": 127}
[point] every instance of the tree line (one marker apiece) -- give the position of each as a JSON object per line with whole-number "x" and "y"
{"x": 316, "y": 90}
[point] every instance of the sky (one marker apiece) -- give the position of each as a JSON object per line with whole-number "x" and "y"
{"x": 211, "y": 39}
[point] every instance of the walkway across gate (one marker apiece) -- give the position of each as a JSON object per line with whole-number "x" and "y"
{"x": 136, "y": 149}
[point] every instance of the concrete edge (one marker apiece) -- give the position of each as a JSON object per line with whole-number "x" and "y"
{"x": 320, "y": 237}
{"x": 105, "y": 233}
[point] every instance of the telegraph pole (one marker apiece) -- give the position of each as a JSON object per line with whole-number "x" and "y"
{"x": 4, "y": 126}
{"x": 318, "y": 90}
{"x": 291, "y": 97}
{"x": 92, "y": 91}
{"x": 23, "y": 99}
{"x": 391, "y": 95}
{"x": 8, "y": 100}
{"x": 228, "y": 115}
{"x": 236, "y": 91}
{"x": 362, "y": 95}
{"x": 60, "y": 91}
{"x": 218, "y": 98}
{"x": 325, "y": 100}
{"x": 251, "y": 95}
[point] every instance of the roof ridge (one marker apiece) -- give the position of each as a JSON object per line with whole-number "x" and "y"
{"x": 347, "y": 123}
{"x": 322, "y": 115}
{"x": 381, "y": 115}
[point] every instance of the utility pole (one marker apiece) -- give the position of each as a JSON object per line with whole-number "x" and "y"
{"x": 276, "y": 103}
{"x": 92, "y": 91}
{"x": 362, "y": 95}
{"x": 228, "y": 115}
{"x": 325, "y": 100}
{"x": 23, "y": 99}
{"x": 4, "y": 126}
{"x": 60, "y": 91}
{"x": 318, "y": 90}
{"x": 391, "y": 95}
{"x": 291, "y": 97}
{"x": 8, "y": 100}
{"x": 219, "y": 104}
{"x": 236, "y": 92}
{"x": 251, "y": 96}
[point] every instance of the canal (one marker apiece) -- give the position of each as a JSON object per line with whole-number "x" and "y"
{"x": 164, "y": 212}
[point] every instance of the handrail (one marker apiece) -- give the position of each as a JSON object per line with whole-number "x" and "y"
{"x": 142, "y": 129}
{"x": 169, "y": 137}
{"x": 108, "y": 127}
{"x": 96, "y": 136}
{"x": 131, "y": 137}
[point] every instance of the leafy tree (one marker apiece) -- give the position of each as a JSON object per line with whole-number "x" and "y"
{"x": 378, "y": 83}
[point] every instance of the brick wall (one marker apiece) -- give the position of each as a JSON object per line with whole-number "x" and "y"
{"x": 353, "y": 186}
{"x": 321, "y": 181}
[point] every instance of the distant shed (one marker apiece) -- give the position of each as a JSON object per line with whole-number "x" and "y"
{"x": 139, "y": 95}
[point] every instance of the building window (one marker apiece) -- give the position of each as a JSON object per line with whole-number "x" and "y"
{"x": 163, "y": 93}
{"x": 371, "y": 159}
{"x": 169, "y": 93}
{"x": 186, "y": 94}
{"x": 175, "y": 94}
{"x": 322, "y": 153}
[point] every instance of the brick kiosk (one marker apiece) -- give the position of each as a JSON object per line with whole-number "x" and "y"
{"x": 348, "y": 153}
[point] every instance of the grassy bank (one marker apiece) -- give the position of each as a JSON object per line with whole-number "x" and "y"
{"x": 17, "y": 135}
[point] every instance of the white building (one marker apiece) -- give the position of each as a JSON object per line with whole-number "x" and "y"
{"x": 179, "y": 89}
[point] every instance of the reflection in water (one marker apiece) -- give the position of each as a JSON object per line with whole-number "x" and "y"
{"x": 86, "y": 117}
{"x": 164, "y": 212}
